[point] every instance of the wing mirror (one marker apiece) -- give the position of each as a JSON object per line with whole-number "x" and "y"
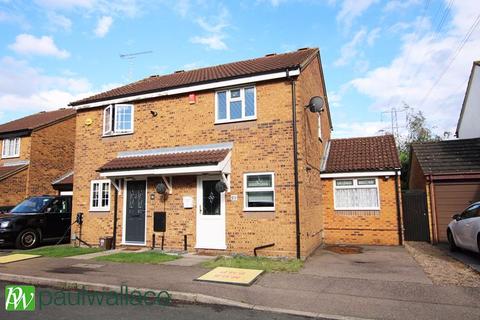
{"x": 457, "y": 217}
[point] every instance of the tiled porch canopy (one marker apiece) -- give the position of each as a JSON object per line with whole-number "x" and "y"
{"x": 9, "y": 170}
{"x": 213, "y": 158}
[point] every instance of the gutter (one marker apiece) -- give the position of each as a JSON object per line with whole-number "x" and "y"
{"x": 295, "y": 165}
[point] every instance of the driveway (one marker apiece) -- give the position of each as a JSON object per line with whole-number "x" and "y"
{"x": 382, "y": 263}
{"x": 471, "y": 259}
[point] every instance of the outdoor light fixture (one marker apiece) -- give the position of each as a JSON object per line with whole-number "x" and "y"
{"x": 161, "y": 188}
{"x": 316, "y": 104}
{"x": 154, "y": 113}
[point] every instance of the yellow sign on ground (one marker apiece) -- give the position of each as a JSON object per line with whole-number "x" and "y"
{"x": 17, "y": 257}
{"x": 232, "y": 276}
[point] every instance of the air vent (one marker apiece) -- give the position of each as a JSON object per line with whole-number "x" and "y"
{"x": 270, "y": 54}
{"x": 179, "y": 71}
{"x": 302, "y": 49}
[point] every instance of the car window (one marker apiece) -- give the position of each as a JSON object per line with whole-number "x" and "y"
{"x": 58, "y": 206}
{"x": 471, "y": 212}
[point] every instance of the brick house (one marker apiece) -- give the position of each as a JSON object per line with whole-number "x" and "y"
{"x": 193, "y": 134}
{"x": 36, "y": 150}
{"x": 361, "y": 191}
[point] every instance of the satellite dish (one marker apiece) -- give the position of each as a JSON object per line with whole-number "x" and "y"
{"x": 161, "y": 188}
{"x": 316, "y": 104}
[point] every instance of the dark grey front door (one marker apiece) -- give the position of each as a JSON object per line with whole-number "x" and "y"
{"x": 135, "y": 215}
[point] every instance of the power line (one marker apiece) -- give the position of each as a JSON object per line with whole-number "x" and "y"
{"x": 455, "y": 55}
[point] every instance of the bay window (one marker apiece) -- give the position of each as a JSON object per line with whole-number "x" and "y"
{"x": 356, "y": 194}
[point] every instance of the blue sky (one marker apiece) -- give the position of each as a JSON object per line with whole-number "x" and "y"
{"x": 376, "y": 54}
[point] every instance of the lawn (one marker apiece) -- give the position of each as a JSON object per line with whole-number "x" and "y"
{"x": 260, "y": 263}
{"x": 60, "y": 251}
{"x": 139, "y": 257}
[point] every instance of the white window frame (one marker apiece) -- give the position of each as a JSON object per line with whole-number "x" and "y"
{"x": 100, "y": 183}
{"x": 6, "y": 148}
{"x": 229, "y": 99}
{"x": 111, "y": 120}
{"x": 260, "y": 189}
{"x": 356, "y": 186}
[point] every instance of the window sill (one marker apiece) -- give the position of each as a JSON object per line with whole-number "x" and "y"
{"x": 357, "y": 209}
{"x": 116, "y": 134}
{"x": 10, "y": 157}
{"x": 99, "y": 210}
{"x": 234, "y": 121}
{"x": 258, "y": 209}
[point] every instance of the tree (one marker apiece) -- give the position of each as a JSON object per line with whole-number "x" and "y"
{"x": 417, "y": 131}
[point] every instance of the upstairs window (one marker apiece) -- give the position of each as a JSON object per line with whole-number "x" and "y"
{"x": 356, "y": 194}
{"x": 237, "y": 104}
{"x": 11, "y": 148}
{"x": 118, "y": 119}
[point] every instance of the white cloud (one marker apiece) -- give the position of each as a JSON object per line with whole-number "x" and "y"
{"x": 395, "y": 5}
{"x": 58, "y": 20}
{"x": 103, "y": 26}
{"x": 30, "y": 45}
{"x": 354, "y": 48}
{"x": 66, "y": 4}
{"x": 215, "y": 31}
{"x": 213, "y": 41}
{"x": 129, "y": 8}
{"x": 358, "y": 129}
{"x": 411, "y": 75}
{"x": 25, "y": 88}
{"x": 351, "y": 9}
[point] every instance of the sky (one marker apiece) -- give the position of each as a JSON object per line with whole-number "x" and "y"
{"x": 376, "y": 55}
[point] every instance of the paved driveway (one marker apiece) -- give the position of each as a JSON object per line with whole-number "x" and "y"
{"x": 383, "y": 263}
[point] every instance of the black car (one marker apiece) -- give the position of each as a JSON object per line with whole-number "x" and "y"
{"x": 36, "y": 220}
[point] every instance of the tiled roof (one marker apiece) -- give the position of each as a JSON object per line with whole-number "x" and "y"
{"x": 205, "y": 157}
{"x": 65, "y": 179}
{"x": 267, "y": 64}
{"x": 36, "y": 121}
{"x": 362, "y": 154}
{"x": 7, "y": 171}
{"x": 450, "y": 156}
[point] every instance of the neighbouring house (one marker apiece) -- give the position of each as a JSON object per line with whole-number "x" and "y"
{"x": 467, "y": 126}
{"x": 448, "y": 175}
{"x": 207, "y": 159}
{"x": 361, "y": 191}
{"x": 35, "y": 150}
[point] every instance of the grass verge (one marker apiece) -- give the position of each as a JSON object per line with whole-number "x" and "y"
{"x": 60, "y": 251}
{"x": 259, "y": 263}
{"x": 151, "y": 257}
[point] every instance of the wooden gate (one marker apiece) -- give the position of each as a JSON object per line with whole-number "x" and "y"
{"x": 415, "y": 216}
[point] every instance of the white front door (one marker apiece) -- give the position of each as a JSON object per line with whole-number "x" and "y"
{"x": 210, "y": 214}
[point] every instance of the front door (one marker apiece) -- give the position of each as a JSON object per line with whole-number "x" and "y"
{"x": 210, "y": 215}
{"x": 135, "y": 212}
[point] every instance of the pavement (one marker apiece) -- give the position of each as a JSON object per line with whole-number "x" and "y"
{"x": 385, "y": 284}
{"x": 178, "y": 311}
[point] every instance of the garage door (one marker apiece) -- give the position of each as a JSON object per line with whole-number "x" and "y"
{"x": 452, "y": 198}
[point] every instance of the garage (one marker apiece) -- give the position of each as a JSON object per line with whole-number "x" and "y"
{"x": 448, "y": 173}
{"x": 453, "y": 198}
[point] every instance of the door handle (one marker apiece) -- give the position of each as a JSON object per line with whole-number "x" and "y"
{"x": 201, "y": 209}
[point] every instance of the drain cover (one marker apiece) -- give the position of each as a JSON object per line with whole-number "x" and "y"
{"x": 344, "y": 249}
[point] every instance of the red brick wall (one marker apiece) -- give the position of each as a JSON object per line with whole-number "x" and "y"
{"x": 362, "y": 227}
{"x": 12, "y": 189}
{"x": 52, "y": 151}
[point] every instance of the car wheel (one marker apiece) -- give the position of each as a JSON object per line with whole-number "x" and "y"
{"x": 27, "y": 239}
{"x": 478, "y": 243}
{"x": 451, "y": 241}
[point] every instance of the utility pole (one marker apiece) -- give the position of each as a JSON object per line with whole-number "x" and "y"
{"x": 130, "y": 57}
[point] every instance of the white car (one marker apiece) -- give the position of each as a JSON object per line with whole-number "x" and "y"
{"x": 464, "y": 230}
